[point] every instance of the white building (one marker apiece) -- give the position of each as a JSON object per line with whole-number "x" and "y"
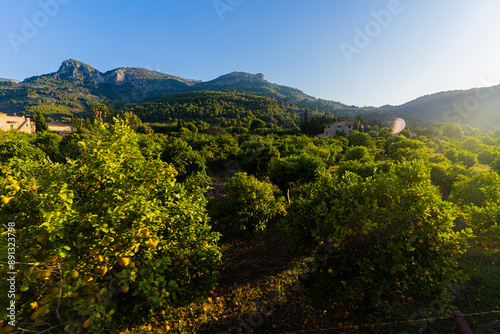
{"x": 332, "y": 128}
{"x": 62, "y": 128}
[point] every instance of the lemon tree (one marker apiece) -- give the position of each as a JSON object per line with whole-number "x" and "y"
{"x": 250, "y": 204}
{"x": 478, "y": 197}
{"x": 109, "y": 235}
{"x": 387, "y": 237}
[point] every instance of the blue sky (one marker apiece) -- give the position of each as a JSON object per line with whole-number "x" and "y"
{"x": 359, "y": 52}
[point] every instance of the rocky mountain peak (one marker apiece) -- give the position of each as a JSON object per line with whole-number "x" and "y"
{"x": 79, "y": 72}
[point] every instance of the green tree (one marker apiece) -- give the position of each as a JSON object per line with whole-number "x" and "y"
{"x": 91, "y": 230}
{"x": 495, "y": 165}
{"x": 453, "y": 130}
{"x": 257, "y": 124}
{"x": 49, "y": 142}
{"x": 250, "y": 203}
{"x": 478, "y": 190}
{"x": 467, "y": 158}
{"x": 472, "y": 145}
{"x": 385, "y": 238}
{"x": 132, "y": 120}
{"x": 186, "y": 161}
{"x": 360, "y": 153}
{"x": 256, "y": 155}
{"x": 488, "y": 155}
{"x": 99, "y": 111}
{"x": 409, "y": 149}
{"x": 295, "y": 170}
{"x": 360, "y": 139}
{"x": 16, "y": 145}
{"x": 41, "y": 124}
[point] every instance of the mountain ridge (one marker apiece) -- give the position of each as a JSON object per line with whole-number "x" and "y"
{"x": 76, "y": 86}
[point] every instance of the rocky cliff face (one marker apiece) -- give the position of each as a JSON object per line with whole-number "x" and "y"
{"x": 128, "y": 85}
{"x": 79, "y": 73}
{"x": 82, "y": 74}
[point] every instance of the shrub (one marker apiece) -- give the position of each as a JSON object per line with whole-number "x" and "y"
{"x": 250, "y": 203}
{"x": 488, "y": 155}
{"x": 478, "y": 190}
{"x": 295, "y": 170}
{"x": 388, "y": 237}
{"x": 108, "y": 236}
{"x": 186, "y": 161}
{"x": 359, "y": 153}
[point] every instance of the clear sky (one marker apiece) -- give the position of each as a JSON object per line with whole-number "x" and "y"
{"x": 359, "y": 52}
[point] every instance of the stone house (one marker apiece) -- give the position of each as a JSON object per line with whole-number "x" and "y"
{"x": 21, "y": 123}
{"x": 62, "y": 128}
{"x": 331, "y": 129}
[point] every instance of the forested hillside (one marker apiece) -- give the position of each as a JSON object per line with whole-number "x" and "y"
{"x": 222, "y": 108}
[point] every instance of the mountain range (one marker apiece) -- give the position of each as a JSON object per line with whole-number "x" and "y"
{"x": 76, "y": 86}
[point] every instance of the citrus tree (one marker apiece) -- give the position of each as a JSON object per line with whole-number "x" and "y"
{"x": 387, "y": 238}
{"x": 478, "y": 197}
{"x": 285, "y": 172}
{"x": 250, "y": 204}
{"x": 108, "y": 236}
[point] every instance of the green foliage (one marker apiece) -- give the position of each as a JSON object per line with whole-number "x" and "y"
{"x": 484, "y": 221}
{"x": 479, "y": 197}
{"x": 295, "y": 170}
{"x": 18, "y": 145}
{"x": 41, "y": 125}
{"x": 478, "y": 190}
{"x": 360, "y": 139}
{"x": 257, "y": 124}
{"x": 444, "y": 174}
{"x": 69, "y": 146}
{"x": 364, "y": 169}
{"x": 391, "y": 140}
{"x": 408, "y": 149}
{"x": 186, "y": 161}
{"x": 250, "y": 203}
{"x": 222, "y": 108}
{"x": 452, "y": 155}
{"x": 453, "y": 130}
{"x": 359, "y": 153}
{"x": 495, "y": 165}
{"x": 256, "y": 156}
{"x": 132, "y": 120}
{"x": 110, "y": 235}
{"x": 472, "y": 145}
{"x": 49, "y": 143}
{"x": 488, "y": 155}
{"x": 467, "y": 158}
{"x": 388, "y": 237}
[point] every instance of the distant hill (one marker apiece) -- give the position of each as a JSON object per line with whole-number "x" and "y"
{"x": 476, "y": 107}
{"x": 76, "y": 86}
{"x": 252, "y": 84}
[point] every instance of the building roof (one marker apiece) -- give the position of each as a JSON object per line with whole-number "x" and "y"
{"x": 61, "y": 124}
